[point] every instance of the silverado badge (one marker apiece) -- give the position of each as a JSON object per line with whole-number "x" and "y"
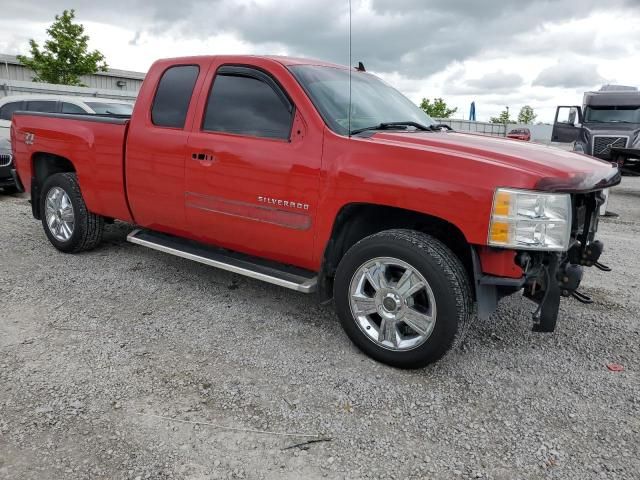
{"x": 283, "y": 203}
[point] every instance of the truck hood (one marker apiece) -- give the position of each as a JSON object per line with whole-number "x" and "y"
{"x": 556, "y": 169}
{"x": 612, "y": 127}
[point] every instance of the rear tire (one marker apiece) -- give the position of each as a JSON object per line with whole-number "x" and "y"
{"x": 69, "y": 226}
{"x": 378, "y": 311}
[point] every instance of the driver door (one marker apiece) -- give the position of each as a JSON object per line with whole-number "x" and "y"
{"x": 567, "y": 125}
{"x": 253, "y": 170}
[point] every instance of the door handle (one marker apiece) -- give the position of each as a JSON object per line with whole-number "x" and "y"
{"x": 204, "y": 157}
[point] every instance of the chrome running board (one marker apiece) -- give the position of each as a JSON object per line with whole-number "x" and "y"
{"x": 271, "y": 272}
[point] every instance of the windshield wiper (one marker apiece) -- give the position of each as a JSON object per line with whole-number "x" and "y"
{"x": 391, "y": 126}
{"x": 439, "y": 127}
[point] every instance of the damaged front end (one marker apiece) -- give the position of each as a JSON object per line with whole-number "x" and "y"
{"x": 552, "y": 275}
{"x": 549, "y": 275}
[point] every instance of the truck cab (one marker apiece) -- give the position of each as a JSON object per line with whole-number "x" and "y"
{"x": 606, "y": 126}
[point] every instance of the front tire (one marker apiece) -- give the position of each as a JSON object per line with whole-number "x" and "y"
{"x": 69, "y": 226}
{"x": 402, "y": 297}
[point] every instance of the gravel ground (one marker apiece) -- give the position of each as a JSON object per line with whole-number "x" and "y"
{"x": 93, "y": 345}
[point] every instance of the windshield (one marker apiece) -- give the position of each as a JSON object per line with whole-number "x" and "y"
{"x": 103, "y": 108}
{"x": 372, "y": 100}
{"x": 626, "y": 114}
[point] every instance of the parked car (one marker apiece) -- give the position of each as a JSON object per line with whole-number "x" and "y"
{"x": 523, "y": 134}
{"x": 254, "y": 165}
{"x": 58, "y": 104}
{"x": 7, "y": 182}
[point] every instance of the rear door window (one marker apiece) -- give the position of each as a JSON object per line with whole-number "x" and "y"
{"x": 103, "y": 108}
{"x": 72, "y": 108}
{"x": 46, "y": 106}
{"x": 173, "y": 96}
{"x": 6, "y": 111}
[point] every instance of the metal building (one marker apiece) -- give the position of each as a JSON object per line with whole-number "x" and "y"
{"x": 15, "y": 79}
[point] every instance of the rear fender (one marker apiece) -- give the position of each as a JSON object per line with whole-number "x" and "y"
{"x": 43, "y": 165}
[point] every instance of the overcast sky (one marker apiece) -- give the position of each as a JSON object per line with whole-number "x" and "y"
{"x": 537, "y": 52}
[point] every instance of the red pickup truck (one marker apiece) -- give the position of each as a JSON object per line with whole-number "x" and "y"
{"x": 275, "y": 168}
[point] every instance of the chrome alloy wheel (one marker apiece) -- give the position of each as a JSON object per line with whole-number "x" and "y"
{"x": 59, "y": 214}
{"x": 392, "y": 303}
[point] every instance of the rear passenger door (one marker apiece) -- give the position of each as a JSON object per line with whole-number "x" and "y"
{"x": 252, "y": 172}
{"x": 157, "y": 147}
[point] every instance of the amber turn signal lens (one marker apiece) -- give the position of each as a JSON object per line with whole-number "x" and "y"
{"x": 499, "y": 233}
{"x": 502, "y": 203}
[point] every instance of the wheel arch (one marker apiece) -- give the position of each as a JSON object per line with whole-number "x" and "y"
{"x": 356, "y": 221}
{"x": 43, "y": 165}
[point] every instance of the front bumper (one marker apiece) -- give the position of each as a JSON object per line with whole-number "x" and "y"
{"x": 16, "y": 180}
{"x": 6, "y": 179}
{"x": 7, "y": 171}
{"x": 627, "y": 159}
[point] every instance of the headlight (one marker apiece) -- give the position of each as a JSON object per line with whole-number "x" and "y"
{"x": 528, "y": 220}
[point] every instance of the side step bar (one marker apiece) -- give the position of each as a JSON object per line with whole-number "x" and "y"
{"x": 283, "y": 275}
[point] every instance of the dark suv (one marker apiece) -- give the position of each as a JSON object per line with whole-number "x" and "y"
{"x": 7, "y": 182}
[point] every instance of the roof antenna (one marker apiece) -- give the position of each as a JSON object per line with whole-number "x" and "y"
{"x": 349, "y": 119}
{"x": 360, "y": 67}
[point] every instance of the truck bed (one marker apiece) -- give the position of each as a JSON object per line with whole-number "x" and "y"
{"x": 95, "y": 144}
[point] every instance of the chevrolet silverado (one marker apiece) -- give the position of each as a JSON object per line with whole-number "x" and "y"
{"x": 323, "y": 178}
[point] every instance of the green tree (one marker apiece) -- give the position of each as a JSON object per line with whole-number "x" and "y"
{"x": 526, "y": 115}
{"x": 437, "y": 108}
{"x": 502, "y": 118}
{"x": 65, "y": 56}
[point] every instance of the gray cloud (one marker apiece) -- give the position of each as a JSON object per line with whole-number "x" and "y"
{"x": 490, "y": 83}
{"x": 575, "y": 42}
{"x": 413, "y": 37}
{"x": 570, "y": 74}
{"x": 136, "y": 38}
